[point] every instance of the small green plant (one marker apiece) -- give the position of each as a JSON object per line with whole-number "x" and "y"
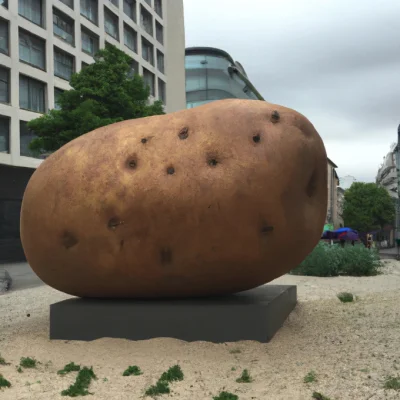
{"x": 28, "y": 362}
{"x": 132, "y": 370}
{"x": 105, "y": 380}
{"x": 161, "y": 387}
{"x": 4, "y": 383}
{"x": 392, "y": 383}
{"x": 226, "y": 396}
{"x": 245, "y": 377}
{"x": 233, "y": 369}
{"x": 319, "y": 396}
{"x": 81, "y": 385}
{"x": 333, "y": 260}
{"x": 19, "y": 369}
{"x": 345, "y": 297}
{"x": 235, "y": 351}
{"x": 173, "y": 374}
{"x": 71, "y": 367}
{"x": 3, "y": 361}
{"x": 310, "y": 377}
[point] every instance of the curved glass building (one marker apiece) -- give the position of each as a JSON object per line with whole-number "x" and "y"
{"x": 212, "y": 74}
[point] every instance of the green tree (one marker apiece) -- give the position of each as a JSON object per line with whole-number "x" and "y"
{"x": 102, "y": 93}
{"x": 367, "y": 207}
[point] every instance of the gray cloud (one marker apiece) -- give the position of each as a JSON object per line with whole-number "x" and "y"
{"x": 337, "y": 62}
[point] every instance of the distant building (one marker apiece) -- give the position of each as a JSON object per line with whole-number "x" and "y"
{"x": 387, "y": 178}
{"x": 340, "y": 204}
{"x": 212, "y": 74}
{"x": 387, "y": 173}
{"x": 332, "y": 216}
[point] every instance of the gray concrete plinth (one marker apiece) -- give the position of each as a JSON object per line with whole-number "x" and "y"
{"x": 255, "y": 314}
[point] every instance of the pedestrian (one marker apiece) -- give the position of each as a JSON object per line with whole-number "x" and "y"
{"x": 369, "y": 241}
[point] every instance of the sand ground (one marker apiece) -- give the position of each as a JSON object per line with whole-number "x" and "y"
{"x": 351, "y": 347}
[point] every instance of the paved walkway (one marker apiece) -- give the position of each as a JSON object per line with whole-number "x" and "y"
{"x": 22, "y": 275}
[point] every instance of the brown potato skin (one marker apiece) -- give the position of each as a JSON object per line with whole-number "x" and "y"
{"x": 209, "y": 201}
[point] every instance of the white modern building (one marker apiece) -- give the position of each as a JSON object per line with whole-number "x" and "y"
{"x": 42, "y": 42}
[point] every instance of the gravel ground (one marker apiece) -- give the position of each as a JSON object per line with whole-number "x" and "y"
{"x": 351, "y": 347}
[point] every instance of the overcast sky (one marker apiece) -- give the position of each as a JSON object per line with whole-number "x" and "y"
{"x": 335, "y": 61}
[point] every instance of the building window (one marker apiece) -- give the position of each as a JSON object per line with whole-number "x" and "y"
{"x": 147, "y": 51}
{"x": 89, "y": 9}
{"x": 69, "y": 3}
{"x": 4, "y": 134}
{"x": 63, "y": 27}
{"x": 90, "y": 42}
{"x": 26, "y": 136}
{"x": 84, "y": 65}
{"x": 148, "y": 2}
{"x": 4, "y": 3}
{"x": 158, "y": 7}
{"x": 111, "y": 23}
{"x": 134, "y": 69}
{"x": 115, "y": 2}
{"x": 161, "y": 91}
{"x": 130, "y": 9}
{"x": 31, "y": 10}
{"x": 32, "y": 50}
{"x": 63, "y": 64}
{"x": 4, "y": 36}
{"x": 31, "y": 94}
{"x": 149, "y": 80}
{"x": 159, "y": 33}
{"x": 4, "y": 85}
{"x": 57, "y": 93}
{"x": 160, "y": 61}
{"x": 130, "y": 38}
{"x": 146, "y": 21}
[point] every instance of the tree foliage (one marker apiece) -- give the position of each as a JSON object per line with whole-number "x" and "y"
{"x": 102, "y": 93}
{"x": 367, "y": 207}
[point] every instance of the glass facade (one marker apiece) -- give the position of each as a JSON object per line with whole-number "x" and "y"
{"x": 212, "y": 75}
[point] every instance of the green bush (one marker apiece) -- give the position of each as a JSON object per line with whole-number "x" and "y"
{"x": 335, "y": 260}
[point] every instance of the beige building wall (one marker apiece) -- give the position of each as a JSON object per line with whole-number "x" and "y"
{"x": 172, "y": 47}
{"x": 175, "y": 63}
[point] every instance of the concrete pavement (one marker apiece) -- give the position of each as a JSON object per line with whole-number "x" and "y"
{"x": 22, "y": 276}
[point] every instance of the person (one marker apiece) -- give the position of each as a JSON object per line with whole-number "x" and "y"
{"x": 369, "y": 241}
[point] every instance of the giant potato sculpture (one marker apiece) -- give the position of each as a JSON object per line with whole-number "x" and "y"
{"x": 214, "y": 200}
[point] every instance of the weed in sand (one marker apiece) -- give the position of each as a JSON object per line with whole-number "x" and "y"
{"x": 19, "y": 369}
{"x": 245, "y": 377}
{"x": 226, "y": 396}
{"x": 132, "y": 370}
{"x": 233, "y": 369}
{"x": 364, "y": 370}
{"x": 3, "y": 361}
{"x": 4, "y": 383}
{"x": 235, "y": 351}
{"x": 319, "y": 396}
{"x": 71, "y": 367}
{"x": 345, "y": 297}
{"x": 81, "y": 385}
{"x": 392, "y": 382}
{"x": 173, "y": 374}
{"x": 28, "y": 362}
{"x": 161, "y": 387}
{"x": 310, "y": 377}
